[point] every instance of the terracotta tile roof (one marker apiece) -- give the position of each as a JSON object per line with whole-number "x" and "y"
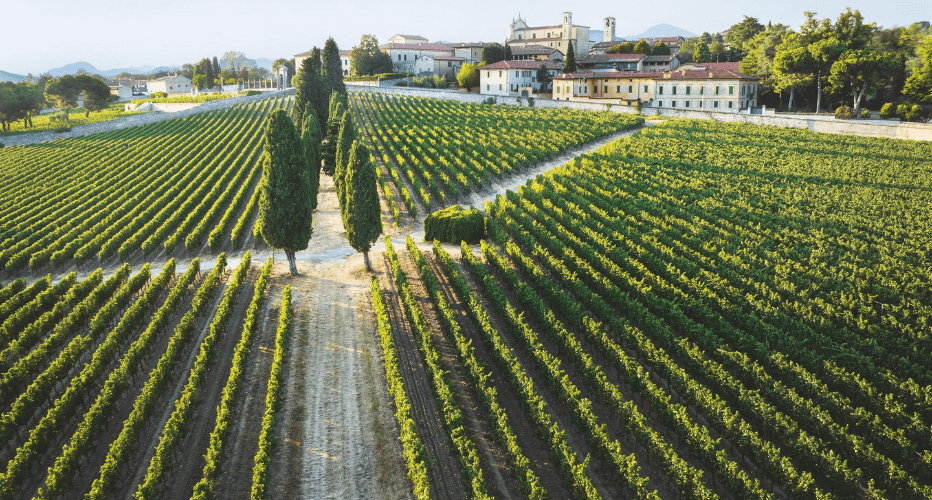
{"x": 303, "y": 54}
{"x": 531, "y": 49}
{"x": 430, "y": 47}
{"x": 523, "y": 65}
{"x": 532, "y": 40}
{"x": 608, "y": 58}
{"x": 658, "y": 58}
{"x": 575, "y": 76}
{"x": 345, "y": 52}
{"x": 539, "y": 27}
{"x": 413, "y": 37}
{"x": 447, "y": 58}
{"x": 670, "y": 75}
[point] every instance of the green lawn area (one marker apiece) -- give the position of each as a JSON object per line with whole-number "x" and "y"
{"x": 55, "y": 121}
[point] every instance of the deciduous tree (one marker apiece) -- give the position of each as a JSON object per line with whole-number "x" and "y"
{"x": 366, "y": 59}
{"x": 919, "y": 84}
{"x": 468, "y": 76}
{"x": 621, "y": 48}
{"x": 544, "y": 77}
{"x": 642, "y": 47}
{"x": 362, "y": 217}
{"x": 661, "y": 49}
{"x": 285, "y": 213}
{"x": 862, "y": 71}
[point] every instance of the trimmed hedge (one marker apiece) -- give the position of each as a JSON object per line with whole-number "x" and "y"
{"x": 455, "y": 224}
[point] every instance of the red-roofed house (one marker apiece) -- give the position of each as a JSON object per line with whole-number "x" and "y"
{"x": 514, "y": 77}
{"x": 407, "y": 39}
{"x": 404, "y": 55}
{"x": 711, "y": 90}
{"x": 535, "y": 53}
{"x": 611, "y": 62}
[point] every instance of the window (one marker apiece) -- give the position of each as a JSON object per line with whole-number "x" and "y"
{"x": 700, "y": 104}
{"x": 645, "y": 88}
{"x": 499, "y": 74}
{"x": 499, "y": 86}
{"x": 516, "y": 74}
{"x": 674, "y": 104}
{"x": 714, "y": 104}
{"x": 449, "y": 64}
{"x": 399, "y": 57}
{"x": 688, "y": 90}
{"x": 730, "y": 104}
{"x": 559, "y": 90}
{"x": 487, "y": 86}
{"x": 687, "y": 104}
{"x": 701, "y": 89}
{"x": 661, "y": 90}
{"x": 630, "y": 88}
{"x": 659, "y": 104}
{"x": 716, "y": 92}
{"x": 731, "y": 89}
{"x": 674, "y": 90}
{"x": 606, "y": 89}
{"x": 618, "y": 88}
{"x": 534, "y": 35}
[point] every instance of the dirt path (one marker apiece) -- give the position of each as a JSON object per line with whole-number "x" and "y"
{"x": 337, "y": 434}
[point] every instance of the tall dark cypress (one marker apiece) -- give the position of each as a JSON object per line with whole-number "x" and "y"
{"x": 569, "y": 65}
{"x": 344, "y": 143}
{"x": 362, "y": 217}
{"x": 307, "y": 85}
{"x": 285, "y": 213}
{"x": 333, "y": 68}
{"x": 311, "y": 140}
{"x": 216, "y": 65}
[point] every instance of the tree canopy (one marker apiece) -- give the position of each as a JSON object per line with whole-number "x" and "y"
{"x": 285, "y": 213}
{"x": 310, "y": 138}
{"x": 741, "y": 33}
{"x": 366, "y": 59}
{"x": 344, "y": 143}
{"x": 621, "y": 48}
{"x": 493, "y": 53}
{"x": 63, "y": 92}
{"x": 544, "y": 77}
{"x": 661, "y": 49}
{"x": 468, "y": 76}
{"x": 642, "y": 47}
{"x": 19, "y": 101}
{"x": 96, "y": 93}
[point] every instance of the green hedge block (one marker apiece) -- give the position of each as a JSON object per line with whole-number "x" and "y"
{"x": 455, "y": 224}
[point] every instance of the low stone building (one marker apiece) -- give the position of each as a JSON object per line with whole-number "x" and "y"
{"x": 611, "y": 62}
{"x": 514, "y": 77}
{"x": 404, "y": 55}
{"x": 445, "y": 66}
{"x": 713, "y": 90}
{"x": 659, "y": 64}
{"x": 471, "y": 52}
{"x": 170, "y": 85}
{"x": 535, "y": 53}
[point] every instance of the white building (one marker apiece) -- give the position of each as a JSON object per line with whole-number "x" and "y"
{"x": 557, "y": 36}
{"x": 611, "y": 62}
{"x": 411, "y": 39}
{"x": 404, "y": 55}
{"x": 170, "y": 85}
{"x": 445, "y": 66}
{"x": 514, "y": 77}
{"x": 471, "y": 52}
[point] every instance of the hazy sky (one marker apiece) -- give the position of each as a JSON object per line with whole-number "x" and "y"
{"x": 38, "y": 35}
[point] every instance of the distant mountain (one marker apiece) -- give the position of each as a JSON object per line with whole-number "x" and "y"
{"x": 660, "y": 30}
{"x": 10, "y": 77}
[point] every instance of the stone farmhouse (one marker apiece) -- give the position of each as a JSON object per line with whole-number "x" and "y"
{"x": 535, "y": 53}
{"x": 170, "y": 85}
{"x": 471, "y": 52}
{"x": 406, "y": 49}
{"x": 344, "y": 61}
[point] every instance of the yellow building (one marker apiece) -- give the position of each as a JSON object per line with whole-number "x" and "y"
{"x": 711, "y": 90}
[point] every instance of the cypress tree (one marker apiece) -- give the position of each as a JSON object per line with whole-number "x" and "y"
{"x": 311, "y": 140}
{"x": 285, "y": 218}
{"x": 209, "y": 70}
{"x": 569, "y": 66}
{"x": 333, "y": 68}
{"x": 307, "y": 83}
{"x": 344, "y": 143}
{"x": 216, "y": 65}
{"x": 362, "y": 217}
{"x": 336, "y": 109}
{"x": 321, "y": 92}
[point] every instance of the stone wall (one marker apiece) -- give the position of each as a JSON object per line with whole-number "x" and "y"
{"x": 135, "y": 121}
{"x": 824, "y": 124}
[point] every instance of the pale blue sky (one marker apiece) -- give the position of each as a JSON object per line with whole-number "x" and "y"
{"x": 42, "y": 34}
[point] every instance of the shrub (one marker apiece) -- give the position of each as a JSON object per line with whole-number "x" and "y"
{"x": 844, "y": 113}
{"x": 888, "y": 111}
{"x": 490, "y": 101}
{"x": 454, "y": 224}
{"x": 902, "y": 110}
{"x": 530, "y": 102}
{"x": 156, "y": 95}
{"x": 865, "y": 113}
{"x": 913, "y": 113}
{"x": 249, "y": 93}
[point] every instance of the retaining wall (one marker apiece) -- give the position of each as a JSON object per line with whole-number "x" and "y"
{"x": 824, "y": 124}
{"x": 135, "y": 121}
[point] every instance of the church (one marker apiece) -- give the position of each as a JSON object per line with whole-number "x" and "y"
{"x": 556, "y": 36}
